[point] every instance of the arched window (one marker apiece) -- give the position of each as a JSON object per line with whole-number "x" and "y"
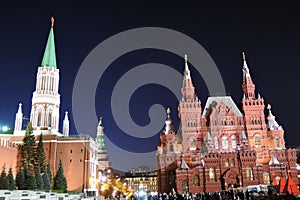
{"x": 212, "y": 175}
{"x": 224, "y": 142}
{"x": 192, "y": 144}
{"x": 277, "y": 144}
{"x": 257, "y": 141}
{"x": 277, "y": 179}
{"x": 49, "y": 119}
{"x": 266, "y": 178}
{"x": 249, "y": 174}
{"x": 39, "y": 119}
{"x": 184, "y": 186}
{"x": 216, "y": 142}
{"x": 226, "y": 164}
{"x": 231, "y": 162}
{"x": 233, "y": 142}
{"x": 196, "y": 180}
{"x": 171, "y": 148}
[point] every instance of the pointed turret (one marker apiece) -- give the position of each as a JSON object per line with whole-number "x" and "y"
{"x": 243, "y": 136}
{"x": 100, "y": 136}
{"x": 169, "y": 128}
{"x": 187, "y": 90}
{"x": 66, "y": 125}
{"x": 49, "y": 58}
{"x": 272, "y": 124}
{"x": 274, "y": 161}
{"x": 244, "y": 144}
{"x": 248, "y": 86}
{"x": 19, "y": 119}
{"x": 183, "y": 164}
{"x": 189, "y": 110}
{"x": 103, "y": 158}
{"x": 187, "y": 73}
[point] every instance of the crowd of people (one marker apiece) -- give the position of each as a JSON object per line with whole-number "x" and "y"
{"x": 221, "y": 195}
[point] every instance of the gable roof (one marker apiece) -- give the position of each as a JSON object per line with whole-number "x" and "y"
{"x": 213, "y": 101}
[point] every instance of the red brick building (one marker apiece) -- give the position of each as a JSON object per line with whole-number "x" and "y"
{"x": 221, "y": 146}
{"x": 8, "y": 152}
{"x": 82, "y": 156}
{"x": 77, "y": 153}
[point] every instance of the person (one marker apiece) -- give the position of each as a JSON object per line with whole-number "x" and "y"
{"x": 247, "y": 194}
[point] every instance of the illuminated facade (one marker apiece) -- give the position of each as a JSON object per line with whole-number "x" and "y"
{"x": 81, "y": 156}
{"x": 141, "y": 178}
{"x": 221, "y": 146}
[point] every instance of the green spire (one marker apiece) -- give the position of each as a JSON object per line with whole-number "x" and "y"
{"x": 100, "y": 136}
{"x": 49, "y": 59}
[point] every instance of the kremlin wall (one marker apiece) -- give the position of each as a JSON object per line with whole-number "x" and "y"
{"x": 218, "y": 146}
{"x": 81, "y": 156}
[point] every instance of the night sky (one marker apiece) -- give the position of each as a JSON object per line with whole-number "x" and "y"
{"x": 269, "y": 34}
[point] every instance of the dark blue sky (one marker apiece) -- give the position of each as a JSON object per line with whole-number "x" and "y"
{"x": 269, "y": 33}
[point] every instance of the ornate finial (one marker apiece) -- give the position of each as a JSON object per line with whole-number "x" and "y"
{"x": 52, "y": 21}
{"x": 244, "y": 55}
{"x": 269, "y": 107}
{"x": 100, "y": 122}
{"x": 185, "y": 58}
{"x": 168, "y": 112}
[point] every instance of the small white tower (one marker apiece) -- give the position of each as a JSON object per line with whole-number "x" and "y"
{"x": 19, "y": 119}
{"x": 66, "y": 126}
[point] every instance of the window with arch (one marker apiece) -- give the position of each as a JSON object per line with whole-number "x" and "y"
{"x": 212, "y": 175}
{"x": 39, "y": 119}
{"x": 49, "y": 119}
{"x": 249, "y": 174}
{"x": 231, "y": 161}
{"x": 224, "y": 142}
{"x": 196, "y": 181}
{"x": 277, "y": 179}
{"x": 277, "y": 144}
{"x": 257, "y": 141}
{"x": 226, "y": 164}
{"x": 185, "y": 186}
{"x": 216, "y": 142}
{"x": 192, "y": 144}
{"x": 266, "y": 177}
{"x": 259, "y": 156}
{"x": 233, "y": 142}
{"x": 171, "y": 148}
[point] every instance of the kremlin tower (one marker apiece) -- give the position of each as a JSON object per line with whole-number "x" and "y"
{"x": 103, "y": 159}
{"x": 83, "y": 157}
{"x": 45, "y": 99}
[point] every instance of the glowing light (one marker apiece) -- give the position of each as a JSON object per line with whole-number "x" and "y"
{"x": 5, "y": 128}
{"x": 103, "y": 178}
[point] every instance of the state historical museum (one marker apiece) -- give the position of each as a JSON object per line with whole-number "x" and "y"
{"x": 221, "y": 146}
